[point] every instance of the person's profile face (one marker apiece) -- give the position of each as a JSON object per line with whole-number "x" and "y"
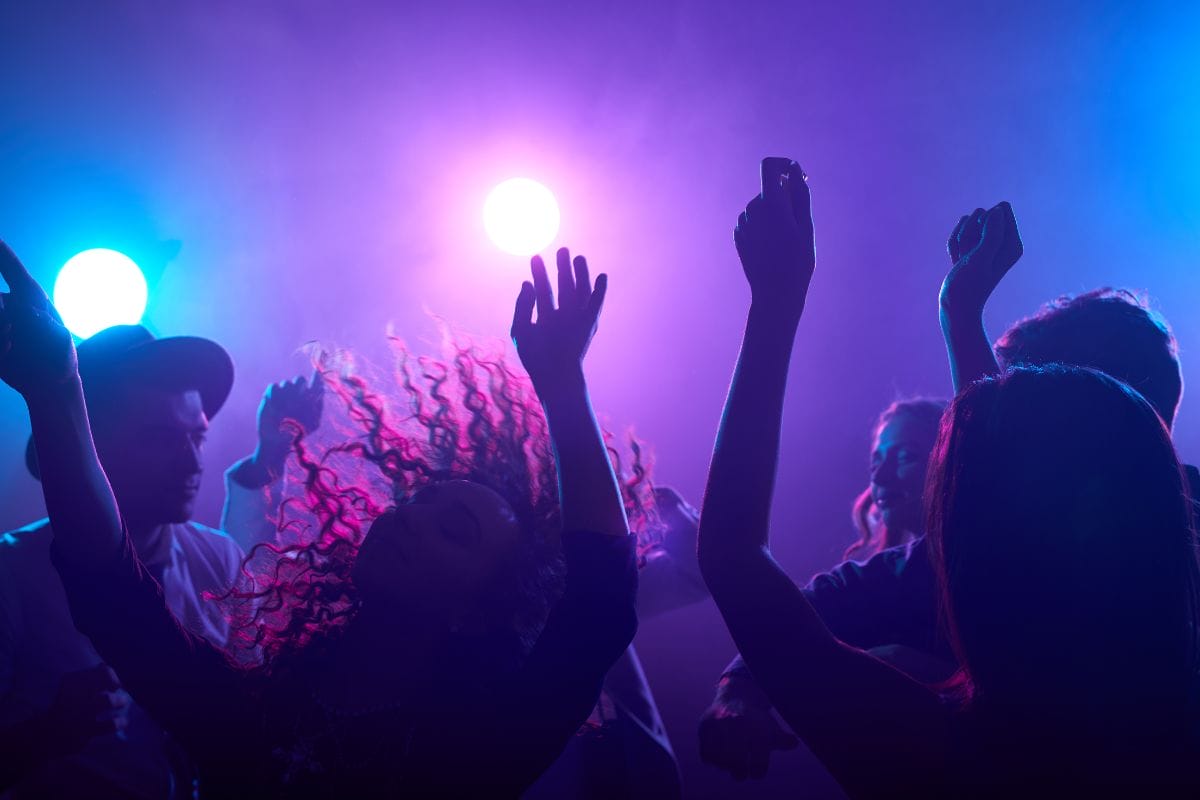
{"x": 439, "y": 550}
{"x": 151, "y": 444}
{"x": 899, "y": 459}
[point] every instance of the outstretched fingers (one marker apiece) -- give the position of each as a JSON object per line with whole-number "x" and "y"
{"x": 596, "y": 301}
{"x": 14, "y": 273}
{"x": 566, "y": 281}
{"x": 523, "y": 311}
{"x": 583, "y": 282}
{"x": 543, "y": 294}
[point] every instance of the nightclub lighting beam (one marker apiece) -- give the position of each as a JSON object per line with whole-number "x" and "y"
{"x": 99, "y": 288}
{"x": 521, "y": 216}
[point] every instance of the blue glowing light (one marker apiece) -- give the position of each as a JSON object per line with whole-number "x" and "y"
{"x": 99, "y": 288}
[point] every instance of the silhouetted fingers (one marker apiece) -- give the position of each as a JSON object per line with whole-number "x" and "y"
{"x": 797, "y": 185}
{"x": 541, "y": 288}
{"x": 566, "y": 281}
{"x": 954, "y": 243}
{"x": 523, "y": 311}
{"x": 596, "y": 301}
{"x": 583, "y": 281}
{"x": 14, "y": 273}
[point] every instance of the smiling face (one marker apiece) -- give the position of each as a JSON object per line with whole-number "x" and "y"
{"x": 899, "y": 459}
{"x": 441, "y": 550}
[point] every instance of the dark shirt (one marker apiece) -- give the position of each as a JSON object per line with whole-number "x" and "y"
{"x": 890, "y": 599}
{"x": 257, "y": 736}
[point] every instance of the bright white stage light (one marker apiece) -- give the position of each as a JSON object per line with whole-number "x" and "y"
{"x": 97, "y": 289}
{"x": 521, "y": 216}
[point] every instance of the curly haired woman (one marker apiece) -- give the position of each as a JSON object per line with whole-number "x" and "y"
{"x": 432, "y": 655}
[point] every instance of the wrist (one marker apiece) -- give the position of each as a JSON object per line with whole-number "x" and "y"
{"x": 561, "y": 385}
{"x": 776, "y": 314}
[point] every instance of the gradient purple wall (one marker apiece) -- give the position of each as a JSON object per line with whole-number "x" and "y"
{"x": 304, "y": 170}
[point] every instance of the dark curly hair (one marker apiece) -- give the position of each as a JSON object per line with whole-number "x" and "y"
{"x": 468, "y": 416}
{"x": 1112, "y": 330}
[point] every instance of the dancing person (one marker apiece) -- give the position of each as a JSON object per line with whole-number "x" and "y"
{"x": 739, "y": 732}
{"x": 67, "y": 728}
{"x": 891, "y": 601}
{"x": 418, "y": 657}
{"x": 1058, "y": 480}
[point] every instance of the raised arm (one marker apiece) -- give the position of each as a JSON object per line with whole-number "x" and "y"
{"x": 860, "y": 717}
{"x": 182, "y": 680}
{"x": 252, "y": 494}
{"x": 37, "y": 358}
{"x": 983, "y": 247}
{"x": 552, "y": 350}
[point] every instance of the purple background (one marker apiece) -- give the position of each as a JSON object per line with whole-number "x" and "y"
{"x": 315, "y": 170}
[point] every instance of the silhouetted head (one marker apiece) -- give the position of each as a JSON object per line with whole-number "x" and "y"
{"x": 1112, "y": 330}
{"x": 149, "y": 402}
{"x": 446, "y": 551}
{"x": 439, "y": 506}
{"x": 1061, "y": 525}
{"x": 889, "y": 511}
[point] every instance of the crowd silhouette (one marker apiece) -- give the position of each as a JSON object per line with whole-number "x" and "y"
{"x": 428, "y": 586}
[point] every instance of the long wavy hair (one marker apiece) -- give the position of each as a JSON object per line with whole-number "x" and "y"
{"x": 1060, "y": 524}
{"x": 466, "y": 416}
{"x": 874, "y": 535}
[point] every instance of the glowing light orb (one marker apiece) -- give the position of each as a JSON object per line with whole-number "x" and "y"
{"x": 99, "y": 288}
{"x": 521, "y": 216}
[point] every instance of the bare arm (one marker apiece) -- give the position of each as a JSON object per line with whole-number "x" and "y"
{"x": 859, "y": 716}
{"x": 552, "y": 350}
{"x": 983, "y": 247}
{"x": 37, "y": 358}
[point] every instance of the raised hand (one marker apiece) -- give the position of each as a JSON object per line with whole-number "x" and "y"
{"x": 774, "y": 238}
{"x": 301, "y": 400}
{"x": 36, "y": 350}
{"x": 983, "y": 247}
{"x": 552, "y": 349}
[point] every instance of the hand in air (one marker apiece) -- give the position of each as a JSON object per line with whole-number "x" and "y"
{"x": 983, "y": 247}
{"x": 552, "y": 349}
{"x": 739, "y": 732}
{"x": 774, "y": 238}
{"x": 36, "y": 350}
{"x": 301, "y": 400}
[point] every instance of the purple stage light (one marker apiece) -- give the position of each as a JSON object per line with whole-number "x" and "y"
{"x": 521, "y": 216}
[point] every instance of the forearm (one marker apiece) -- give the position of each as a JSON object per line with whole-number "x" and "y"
{"x": 83, "y": 512}
{"x": 967, "y": 345}
{"x": 262, "y": 467}
{"x": 741, "y": 478}
{"x": 588, "y": 491}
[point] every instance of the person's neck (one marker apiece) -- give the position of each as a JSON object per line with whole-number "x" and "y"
{"x": 384, "y": 659}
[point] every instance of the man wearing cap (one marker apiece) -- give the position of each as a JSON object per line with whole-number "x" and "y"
{"x": 66, "y": 728}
